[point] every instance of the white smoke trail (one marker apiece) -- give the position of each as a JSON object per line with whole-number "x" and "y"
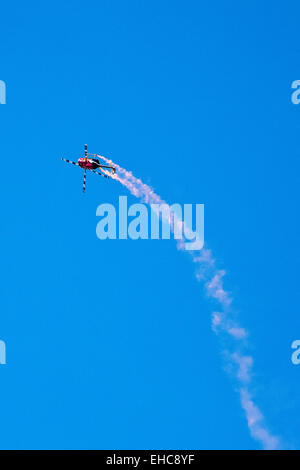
{"x": 222, "y": 322}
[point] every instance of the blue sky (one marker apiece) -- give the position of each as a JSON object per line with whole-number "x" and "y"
{"x": 109, "y": 343}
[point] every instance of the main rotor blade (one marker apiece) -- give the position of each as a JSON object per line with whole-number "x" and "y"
{"x": 69, "y": 161}
{"x": 97, "y": 173}
{"x": 84, "y": 180}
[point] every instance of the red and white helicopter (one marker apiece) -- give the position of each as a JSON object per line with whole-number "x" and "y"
{"x": 91, "y": 164}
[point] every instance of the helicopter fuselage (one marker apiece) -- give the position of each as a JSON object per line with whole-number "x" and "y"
{"x": 89, "y": 163}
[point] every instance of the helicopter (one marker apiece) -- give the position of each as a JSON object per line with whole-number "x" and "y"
{"x": 90, "y": 163}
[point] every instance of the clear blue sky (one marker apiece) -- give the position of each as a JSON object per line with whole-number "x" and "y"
{"x": 109, "y": 343}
